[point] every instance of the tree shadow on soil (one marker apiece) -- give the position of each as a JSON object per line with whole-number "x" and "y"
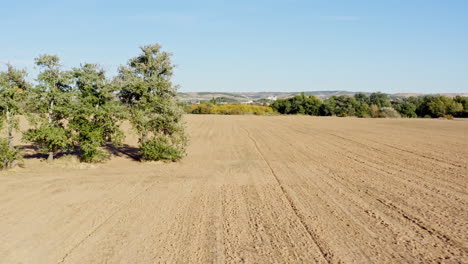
{"x": 33, "y": 152}
{"x": 124, "y": 150}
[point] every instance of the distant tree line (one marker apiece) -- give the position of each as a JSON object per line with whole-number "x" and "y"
{"x": 228, "y": 109}
{"x": 81, "y": 110}
{"x": 375, "y": 105}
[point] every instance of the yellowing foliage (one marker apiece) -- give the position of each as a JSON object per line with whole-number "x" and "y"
{"x": 230, "y": 109}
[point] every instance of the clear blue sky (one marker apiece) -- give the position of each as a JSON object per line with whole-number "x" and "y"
{"x": 363, "y": 45}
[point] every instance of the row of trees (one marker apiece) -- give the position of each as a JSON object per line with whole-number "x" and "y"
{"x": 375, "y": 105}
{"x": 81, "y": 110}
{"x": 228, "y": 109}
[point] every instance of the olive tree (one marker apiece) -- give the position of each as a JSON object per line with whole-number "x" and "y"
{"x": 13, "y": 87}
{"x": 96, "y": 114}
{"x": 50, "y": 107}
{"x": 150, "y": 97}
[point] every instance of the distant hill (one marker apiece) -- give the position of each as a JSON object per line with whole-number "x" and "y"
{"x": 240, "y": 97}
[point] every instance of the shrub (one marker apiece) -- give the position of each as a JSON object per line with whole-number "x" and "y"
{"x": 160, "y": 148}
{"x": 8, "y": 155}
{"x": 389, "y": 112}
{"x": 230, "y": 109}
{"x": 449, "y": 117}
{"x": 50, "y": 139}
{"x": 375, "y": 112}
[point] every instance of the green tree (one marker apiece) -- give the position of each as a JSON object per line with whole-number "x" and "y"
{"x": 282, "y": 106}
{"x": 362, "y": 106}
{"x": 50, "y": 104}
{"x": 463, "y": 101}
{"x": 440, "y": 106}
{"x": 13, "y": 88}
{"x": 362, "y": 110}
{"x": 405, "y": 107}
{"x": 299, "y": 104}
{"x": 150, "y": 97}
{"x": 312, "y": 105}
{"x": 379, "y": 99}
{"x": 362, "y": 98}
{"x": 96, "y": 115}
{"x": 342, "y": 105}
{"x": 327, "y": 108}
{"x": 422, "y": 108}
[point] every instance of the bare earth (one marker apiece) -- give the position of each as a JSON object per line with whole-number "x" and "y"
{"x": 282, "y": 189}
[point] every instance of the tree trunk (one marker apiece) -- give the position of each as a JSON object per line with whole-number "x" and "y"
{"x": 50, "y": 111}
{"x": 12, "y": 163}
{"x": 144, "y": 138}
{"x": 51, "y": 156}
{"x": 10, "y": 130}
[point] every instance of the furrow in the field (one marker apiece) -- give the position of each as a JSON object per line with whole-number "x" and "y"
{"x": 324, "y": 249}
{"x": 382, "y": 232}
{"x": 429, "y": 170}
{"x": 436, "y": 190}
{"x": 445, "y": 210}
{"x": 401, "y": 165}
{"x": 448, "y": 147}
{"x": 327, "y": 209}
{"x": 378, "y": 171}
{"x": 407, "y": 162}
{"x": 432, "y": 157}
{"x": 87, "y": 209}
{"x": 322, "y": 214}
{"x": 443, "y": 152}
{"x": 371, "y": 194}
{"x": 391, "y": 165}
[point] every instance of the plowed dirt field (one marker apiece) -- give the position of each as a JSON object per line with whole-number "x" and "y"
{"x": 281, "y": 189}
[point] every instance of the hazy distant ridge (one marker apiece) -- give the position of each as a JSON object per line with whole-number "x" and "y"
{"x": 252, "y": 96}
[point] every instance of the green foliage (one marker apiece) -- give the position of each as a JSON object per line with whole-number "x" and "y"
{"x": 342, "y": 105}
{"x": 362, "y": 98}
{"x": 376, "y": 105}
{"x": 49, "y": 137}
{"x": 8, "y": 155}
{"x": 438, "y": 106}
{"x": 219, "y": 100}
{"x": 150, "y": 97}
{"x": 13, "y": 89}
{"x": 262, "y": 101}
{"x": 230, "y": 109}
{"x": 405, "y": 107}
{"x": 96, "y": 115}
{"x": 362, "y": 108}
{"x": 464, "y": 102}
{"x": 50, "y": 102}
{"x": 379, "y": 99}
{"x": 160, "y": 148}
{"x": 300, "y": 104}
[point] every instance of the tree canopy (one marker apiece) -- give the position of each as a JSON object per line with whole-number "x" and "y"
{"x": 151, "y": 100}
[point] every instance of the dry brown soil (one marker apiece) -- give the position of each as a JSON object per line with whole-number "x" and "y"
{"x": 281, "y": 189}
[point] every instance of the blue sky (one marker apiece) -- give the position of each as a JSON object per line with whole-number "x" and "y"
{"x": 373, "y": 45}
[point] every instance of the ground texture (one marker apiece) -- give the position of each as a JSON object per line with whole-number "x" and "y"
{"x": 252, "y": 189}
